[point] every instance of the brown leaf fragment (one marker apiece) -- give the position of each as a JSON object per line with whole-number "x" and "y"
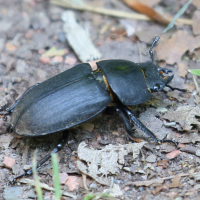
{"x": 159, "y": 189}
{"x": 195, "y": 22}
{"x": 10, "y": 47}
{"x": 172, "y": 49}
{"x": 186, "y": 116}
{"x": 172, "y": 194}
{"x": 173, "y": 154}
{"x": 142, "y": 8}
{"x": 183, "y": 68}
{"x": 163, "y": 163}
{"x": 72, "y": 182}
{"x": 175, "y": 182}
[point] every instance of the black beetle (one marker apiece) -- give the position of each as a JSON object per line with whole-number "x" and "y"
{"x": 78, "y": 94}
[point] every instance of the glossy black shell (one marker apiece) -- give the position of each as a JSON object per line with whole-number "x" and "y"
{"x": 76, "y": 95}
{"x": 59, "y": 103}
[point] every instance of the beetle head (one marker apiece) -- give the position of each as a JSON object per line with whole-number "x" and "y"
{"x": 154, "y": 76}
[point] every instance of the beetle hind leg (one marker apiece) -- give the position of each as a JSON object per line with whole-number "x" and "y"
{"x": 58, "y": 147}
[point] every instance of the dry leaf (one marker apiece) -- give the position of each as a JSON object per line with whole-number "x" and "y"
{"x": 172, "y": 49}
{"x": 173, "y": 154}
{"x": 10, "y": 47}
{"x": 142, "y": 8}
{"x": 183, "y": 68}
{"x": 186, "y": 116}
{"x": 175, "y": 182}
{"x": 98, "y": 164}
{"x": 72, "y": 182}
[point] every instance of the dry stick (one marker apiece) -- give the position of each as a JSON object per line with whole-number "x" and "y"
{"x": 195, "y": 83}
{"x": 46, "y": 187}
{"x": 140, "y": 183}
{"x": 110, "y": 12}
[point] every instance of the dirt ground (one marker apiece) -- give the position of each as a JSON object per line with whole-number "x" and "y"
{"x": 29, "y": 28}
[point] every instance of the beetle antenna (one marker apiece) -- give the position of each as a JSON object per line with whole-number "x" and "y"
{"x": 153, "y": 44}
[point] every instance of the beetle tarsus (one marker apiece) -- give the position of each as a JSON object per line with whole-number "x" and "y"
{"x": 123, "y": 109}
{"x": 168, "y": 141}
{"x": 58, "y": 147}
{"x": 5, "y": 113}
{"x": 173, "y": 88}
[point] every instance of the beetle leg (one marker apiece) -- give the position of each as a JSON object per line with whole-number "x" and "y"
{"x": 144, "y": 128}
{"x": 126, "y": 122}
{"x": 10, "y": 110}
{"x": 173, "y": 88}
{"x": 58, "y": 147}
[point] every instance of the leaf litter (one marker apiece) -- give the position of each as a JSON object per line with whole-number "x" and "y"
{"x": 154, "y": 164}
{"x": 99, "y": 164}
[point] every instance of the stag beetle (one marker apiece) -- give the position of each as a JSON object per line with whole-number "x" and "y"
{"x": 78, "y": 94}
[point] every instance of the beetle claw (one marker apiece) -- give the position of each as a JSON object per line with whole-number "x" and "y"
{"x": 168, "y": 141}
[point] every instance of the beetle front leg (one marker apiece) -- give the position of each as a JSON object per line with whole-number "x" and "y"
{"x": 58, "y": 147}
{"x": 173, "y": 88}
{"x": 143, "y": 127}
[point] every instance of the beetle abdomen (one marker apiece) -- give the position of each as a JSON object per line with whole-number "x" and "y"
{"x": 63, "y": 107}
{"x": 127, "y": 81}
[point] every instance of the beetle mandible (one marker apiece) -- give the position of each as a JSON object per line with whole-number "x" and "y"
{"x": 78, "y": 94}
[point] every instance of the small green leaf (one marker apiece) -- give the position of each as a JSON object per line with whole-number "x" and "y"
{"x": 54, "y": 52}
{"x": 180, "y": 12}
{"x": 36, "y": 178}
{"x": 56, "y": 181}
{"x": 194, "y": 71}
{"x": 92, "y": 196}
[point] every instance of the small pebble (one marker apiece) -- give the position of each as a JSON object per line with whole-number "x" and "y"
{"x": 57, "y": 59}
{"x": 44, "y": 60}
{"x": 8, "y": 162}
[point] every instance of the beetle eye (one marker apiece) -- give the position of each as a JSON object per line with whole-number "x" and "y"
{"x": 156, "y": 87}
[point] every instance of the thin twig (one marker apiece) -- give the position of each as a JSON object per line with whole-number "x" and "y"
{"x": 150, "y": 182}
{"x": 46, "y": 187}
{"x": 195, "y": 83}
{"x": 108, "y": 12}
